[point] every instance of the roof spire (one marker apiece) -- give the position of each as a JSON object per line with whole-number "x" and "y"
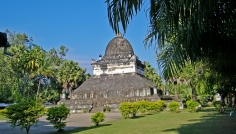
{"x": 118, "y": 34}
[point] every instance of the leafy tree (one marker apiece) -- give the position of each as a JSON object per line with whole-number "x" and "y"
{"x": 97, "y": 118}
{"x": 70, "y": 75}
{"x": 34, "y": 72}
{"x": 44, "y": 72}
{"x": 24, "y": 114}
{"x": 50, "y": 95}
{"x": 33, "y": 58}
{"x": 6, "y": 80}
{"x": 29, "y": 69}
{"x": 151, "y": 74}
{"x": 57, "y": 116}
{"x": 56, "y": 57}
{"x": 17, "y": 63}
{"x": 193, "y": 80}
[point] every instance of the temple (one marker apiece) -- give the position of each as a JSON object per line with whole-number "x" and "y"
{"x": 118, "y": 76}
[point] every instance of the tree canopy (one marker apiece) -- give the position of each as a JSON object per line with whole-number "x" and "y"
{"x": 35, "y": 73}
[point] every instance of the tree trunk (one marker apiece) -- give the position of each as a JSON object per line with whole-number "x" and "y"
{"x": 193, "y": 92}
{"x": 222, "y": 104}
{"x": 70, "y": 92}
{"x": 37, "y": 94}
{"x": 27, "y": 130}
{"x": 176, "y": 95}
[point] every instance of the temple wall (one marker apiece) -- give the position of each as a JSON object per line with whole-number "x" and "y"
{"x": 77, "y": 105}
{"x": 118, "y": 69}
{"x": 114, "y": 69}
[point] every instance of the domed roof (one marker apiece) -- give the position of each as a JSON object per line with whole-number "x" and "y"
{"x": 118, "y": 47}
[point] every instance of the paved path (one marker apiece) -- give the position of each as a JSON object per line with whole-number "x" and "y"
{"x": 44, "y": 127}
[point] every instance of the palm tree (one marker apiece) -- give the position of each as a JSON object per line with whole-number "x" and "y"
{"x": 34, "y": 58}
{"x": 70, "y": 75}
{"x": 44, "y": 71}
{"x": 151, "y": 74}
{"x": 185, "y": 30}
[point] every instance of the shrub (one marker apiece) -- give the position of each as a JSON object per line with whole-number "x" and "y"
{"x": 2, "y": 111}
{"x": 97, "y": 118}
{"x": 142, "y": 106}
{"x": 162, "y": 104}
{"x": 153, "y": 107}
{"x": 128, "y": 108}
{"x": 217, "y": 105}
{"x": 24, "y": 114}
{"x": 173, "y": 106}
{"x": 192, "y": 105}
{"x": 134, "y": 109}
{"x": 57, "y": 116}
{"x": 124, "y": 109}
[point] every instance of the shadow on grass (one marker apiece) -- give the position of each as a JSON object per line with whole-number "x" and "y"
{"x": 42, "y": 127}
{"x": 77, "y": 130}
{"x": 211, "y": 109}
{"x": 137, "y": 117}
{"x": 212, "y": 123}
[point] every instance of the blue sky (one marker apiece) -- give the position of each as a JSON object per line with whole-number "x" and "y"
{"x": 80, "y": 25}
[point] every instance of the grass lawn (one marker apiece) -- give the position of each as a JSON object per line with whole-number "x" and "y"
{"x": 208, "y": 121}
{"x": 2, "y": 117}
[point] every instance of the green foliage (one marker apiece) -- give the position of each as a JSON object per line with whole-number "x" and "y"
{"x": 134, "y": 109}
{"x": 142, "y": 106}
{"x": 181, "y": 29}
{"x": 49, "y": 95}
{"x": 173, "y": 106}
{"x": 192, "y": 105}
{"x": 217, "y": 105}
{"x": 70, "y": 76}
{"x": 97, "y": 118}
{"x": 2, "y": 111}
{"x": 32, "y": 70}
{"x": 203, "y": 98}
{"x": 128, "y": 108}
{"x": 57, "y": 116}
{"x": 24, "y": 114}
{"x": 153, "y": 107}
{"x": 162, "y": 104}
{"x": 151, "y": 74}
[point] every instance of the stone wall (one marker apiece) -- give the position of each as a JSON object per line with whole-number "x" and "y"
{"x": 78, "y": 105}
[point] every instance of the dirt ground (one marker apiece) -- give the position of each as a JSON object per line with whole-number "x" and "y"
{"x": 75, "y": 120}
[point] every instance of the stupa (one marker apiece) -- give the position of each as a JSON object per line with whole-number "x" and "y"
{"x": 118, "y": 76}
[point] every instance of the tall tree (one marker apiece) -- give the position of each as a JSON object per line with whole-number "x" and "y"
{"x": 151, "y": 74}
{"x": 56, "y": 57}
{"x": 32, "y": 70}
{"x": 44, "y": 72}
{"x": 20, "y": 46}
{"x": 70, "y": 75}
